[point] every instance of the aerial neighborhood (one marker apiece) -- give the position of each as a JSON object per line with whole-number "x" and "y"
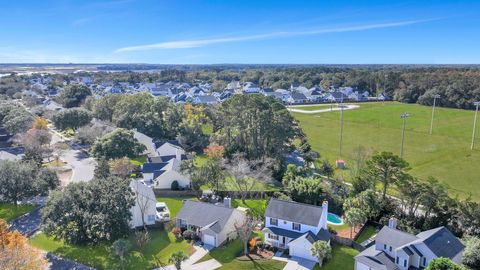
{"x": 169, "y": 171}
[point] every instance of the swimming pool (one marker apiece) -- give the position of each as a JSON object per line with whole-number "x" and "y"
{"x": 334, "y": 219}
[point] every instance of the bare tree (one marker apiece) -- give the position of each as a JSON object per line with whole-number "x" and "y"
{"x": 248, "y": 173}
{"x": 360, "y": 155}
{"x": 245, "y": 230}
{"x": 122, "y": 167}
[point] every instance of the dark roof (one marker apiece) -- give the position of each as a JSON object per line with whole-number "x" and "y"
{"x": 416, "y": 250}
{"x": 267, "y": 90}
{"x": 441, "y": 242}
{"x": 323, "y": 235}
{"x": 298, "y": 96}
{"x": 205, "y": 215}
{"x": 282, "y": 232}
{"x": 394, "y": 237}
{"x": 408, "y": 251}
{"x": 292, "y": 211}
{"x": 375, "y": 259}
{"x": 152, "y": 167}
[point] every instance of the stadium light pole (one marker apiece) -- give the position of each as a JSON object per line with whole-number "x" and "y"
{"x": 433, "y": 112}
{"x": 477, "y": 103}
{"x": 404, "y": 116}
{"x": 341, "y": 125}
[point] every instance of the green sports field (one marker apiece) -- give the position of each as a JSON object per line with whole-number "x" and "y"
{"x": 445, "y": 155}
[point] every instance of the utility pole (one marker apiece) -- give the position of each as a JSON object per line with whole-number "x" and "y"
{"x": 404, "y": 116}
{"x": 341, "y": 125}
{"x": 477, "y": 103}
{"x": 433, "y": 112}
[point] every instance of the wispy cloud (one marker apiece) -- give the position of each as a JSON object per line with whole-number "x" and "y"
{"x": 184, "y": 44}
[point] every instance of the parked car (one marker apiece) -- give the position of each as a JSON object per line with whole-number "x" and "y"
{"x": 163, "y": 213}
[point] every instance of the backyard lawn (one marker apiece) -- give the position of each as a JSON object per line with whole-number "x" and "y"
{"x": 342, "y": 258}
{"x": 227, "y": 257}
{"x": 138, "y": 161}
{"x": 257, "y": 207}
{"x": 445, "y": 155}
{"x": 9, "y": 211}
{"x": 160, "y": 248}
{"x": 174, "y": 204}
{"x": 366, "y": 234}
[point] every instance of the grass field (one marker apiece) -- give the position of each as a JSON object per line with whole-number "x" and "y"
{"x": 342, "y": 258}
{"x": 366, "y": 234}
{"x": 446, "y": 154}
{"x": 9, "y": 211}
{"x": 160, "y": 247}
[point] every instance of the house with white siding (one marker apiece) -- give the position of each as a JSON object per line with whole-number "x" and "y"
{"x": 296, "y": 226}
{"x": 398, "y": 250}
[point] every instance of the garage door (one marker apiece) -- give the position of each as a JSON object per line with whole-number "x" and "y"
{"x": 209, "y": 240}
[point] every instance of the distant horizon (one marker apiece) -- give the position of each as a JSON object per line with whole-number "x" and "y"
{"x": 240, "y": 32}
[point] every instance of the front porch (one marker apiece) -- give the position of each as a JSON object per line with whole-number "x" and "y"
{"x": 279, "y": 238}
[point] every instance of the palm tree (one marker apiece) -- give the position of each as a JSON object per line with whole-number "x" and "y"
{"x": 177, "y": 258}
{"x": 120, "y": 247}
{"x": 353, "y": 217}
{"x": 322, "y": 250}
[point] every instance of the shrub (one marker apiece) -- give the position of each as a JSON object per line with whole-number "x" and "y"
{"x": 189, "y": 234}
{"x": 177, "y": 232}
{"x": 175, "y": 185}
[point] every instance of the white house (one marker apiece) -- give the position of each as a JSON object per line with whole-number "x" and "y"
{"x": 250, "y": 87}
{"x": 170, "y": 149}
{"x": 215, "y": 224}
{"x": 296, "y": 226}
{"x": 147, "y": 142}
{"x": 166, "y": 178}
{"x": 398, "y": 250}
{"x": 145, "y": 203}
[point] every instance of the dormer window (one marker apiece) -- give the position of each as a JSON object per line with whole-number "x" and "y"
{"x": 274, "y": 221}
{"x": 296, "y": 227}
{"x": 424, "y": 261}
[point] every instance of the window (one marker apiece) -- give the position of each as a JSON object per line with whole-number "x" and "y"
{"x": 296, "y": 227}
{"x": 151, "y": 218}
{"x": 274, "y": 221}
{"x": 390, "y": 248}
{"x": 424, "y": 261}
{"x": 384, "y": 246}
{"x": 397, "y": 260}
{"x": 404, "y": 263}
{"x": 273, "y": 236}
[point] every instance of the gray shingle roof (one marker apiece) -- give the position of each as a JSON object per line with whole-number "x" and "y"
{"x": 394, "y": 237}
{"x": 375, "y": 259}
{"x": 282, "y": 232}
{"x": 292, "y": 211}
{"x": 152, "y": 167}
{"x": 441, "y": 242}
{"x": 202, "y": 214}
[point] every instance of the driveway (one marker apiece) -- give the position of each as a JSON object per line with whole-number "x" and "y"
{"x": 190, "y": 263}
{"x": 295, "y": 263}
{"x": 83, "y": 166}
{"x": 27, "y": 224}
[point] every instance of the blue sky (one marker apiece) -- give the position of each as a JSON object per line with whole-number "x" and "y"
{"x": 243, "y": 31}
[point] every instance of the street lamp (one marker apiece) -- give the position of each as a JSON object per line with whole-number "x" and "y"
{"x": 477, "y": 103}
{"x": 404, "y": 116}
{"x": 433, "y": 112}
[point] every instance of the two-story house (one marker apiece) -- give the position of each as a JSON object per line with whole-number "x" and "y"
{"x": 398, "y": 250}
{"x": 296, "y": 226}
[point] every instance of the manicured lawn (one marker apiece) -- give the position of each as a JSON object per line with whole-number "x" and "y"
{"x": 160, "y": 248}
{"x": 445, "y": 155}
{"x": 342, "y": 258}
{"x": 138, "y": 161}
{"x": 174, "y": 204}
{"x": 257, "y": 207}
{"x": 227, "y": 257}
{"x": 366, "y": 234}
{"x": 339, "y": 227}
{"x": 9, "y": 211}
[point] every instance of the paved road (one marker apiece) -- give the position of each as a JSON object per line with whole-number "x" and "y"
{"x": 27, "y": 224}
{"x": 58, "y": 263}
{"x": 338, "y": 108}
{"x": 83, "y": 166}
